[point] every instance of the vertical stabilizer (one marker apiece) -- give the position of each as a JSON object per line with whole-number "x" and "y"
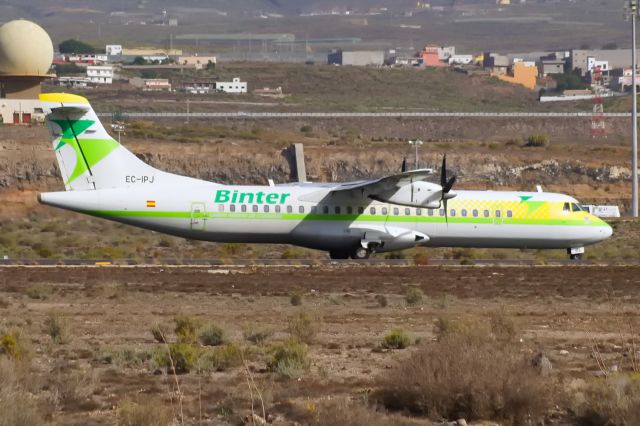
{"x": 89, "y": 158}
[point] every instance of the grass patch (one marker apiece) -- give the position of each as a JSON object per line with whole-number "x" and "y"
{"x": 288, "y": 359}
{"x": 56, "y": 327}
{"x": 414, "y": 296}
{"x": 257, "y": 335}
{"x": 145, "y": 412}
{"x": 211, "y": 335}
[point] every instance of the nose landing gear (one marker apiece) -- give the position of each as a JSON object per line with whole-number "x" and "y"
{"x": 575, "y": 253}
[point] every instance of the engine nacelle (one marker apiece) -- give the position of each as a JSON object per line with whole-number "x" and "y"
{"x": 417, "y": 194}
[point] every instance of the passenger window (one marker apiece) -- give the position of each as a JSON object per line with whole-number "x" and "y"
{"x": 372, "y": 210}
{"x": 278, "y": 209}
{"x": 407, "y": 212}
{"x": 384, "y": 211}
{"x": 498, "y": 213}
{"x": 289, "y": 209}
{"x": 396, "y": 212}
{"x": 360, "y": 209}
{"x": 232, "y": 207}
{"x": 475, "y": 212}
{"x": 509, "y": 213}
{"x": 301, "y": 209}
{"x": 243, "y": 208}
{"x": 337, "y": 209}
{"x": 349, "y": 210}
{"x": 265, "y": 208}
{"x": 221, "y": 207}
{"x": 418, "y": 212}
{"x": 430, "y": 212}
{"x": 325, "y": 209}
{"x": 486, "y": 213}
{"x": 464, "y": 212}
{"x": 441, "y": 212}
{"x": 452, "y": 212}
{"x": 566, "y": 208}
{"x": 255, "y": 208}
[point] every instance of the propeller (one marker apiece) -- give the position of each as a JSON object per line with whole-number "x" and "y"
{"x": 446, "y": 185}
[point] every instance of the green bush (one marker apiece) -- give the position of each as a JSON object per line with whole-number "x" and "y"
{"x": 289, "y": 359}
{"x": 182, "y": 355}
{"x": 295, "y": 299}
{"x": 257, "y": 335}
{"x": 220, "y": 358}
{"x": 304, "y": 326}
{"x": 396, "y": 339}
{"x": 537, "y": 141}
{"x": 211, "y": 335}
{"x": 414, "y": 296}
{"x": 186, "y": 328}
{"x": 381, "y": 299}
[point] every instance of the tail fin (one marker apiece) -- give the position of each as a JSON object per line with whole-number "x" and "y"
{"x": 88, "y": 157}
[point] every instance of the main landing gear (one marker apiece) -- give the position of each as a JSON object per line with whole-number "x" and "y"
{"x": 357, "y": 253}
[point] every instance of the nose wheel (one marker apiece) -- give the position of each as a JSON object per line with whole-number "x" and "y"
{"x": 360, "y": 253}
{"x": 575, "y": 253}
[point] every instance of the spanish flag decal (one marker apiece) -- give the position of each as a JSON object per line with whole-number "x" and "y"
{"x": 151, "y": 203}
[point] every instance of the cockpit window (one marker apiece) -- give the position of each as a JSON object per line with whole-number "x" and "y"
{"x": 566, "y": 207}
{"x": 576, "y": 207}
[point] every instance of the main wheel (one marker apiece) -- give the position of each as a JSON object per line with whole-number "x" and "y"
{"x": 360, "y": 253}
{"x": 577, "y": 256}
{"x": 338, "y": 254}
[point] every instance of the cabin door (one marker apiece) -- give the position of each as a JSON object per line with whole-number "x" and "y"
{"x": 198, "y": 216}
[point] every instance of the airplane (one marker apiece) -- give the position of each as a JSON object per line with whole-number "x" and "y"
{"x": 349, "y": 220}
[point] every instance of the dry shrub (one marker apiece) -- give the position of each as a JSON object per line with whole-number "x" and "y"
{"x": 56, "y": 327}
{"x": 345, "y": 412}
{"x": 381, "y": 299}
{"x": 295, "y": 299}
{"x": 14, "y": 345}
{"x": 220, "y": 358}
{"x": 503, "y": 327}
{"x": 71, "y": 387}
{"x": 414, "y": 296}
{"x": 304, "y": 326}
{"x": 160, "y": 332}
{"x": 19, "y": 408}
{"x": 143, "y": 413}
{"x": 613, "y": 400}
{"x": 186, "y": 328}
{"x": 256, "y": 334}
{"x": 465, "y": 328}
{"x": 471, "y": 378}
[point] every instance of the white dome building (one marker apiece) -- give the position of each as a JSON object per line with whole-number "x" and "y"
{"x": 26, "y": 53}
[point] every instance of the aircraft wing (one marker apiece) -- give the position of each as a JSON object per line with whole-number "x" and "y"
{"x": 387, "y": 183}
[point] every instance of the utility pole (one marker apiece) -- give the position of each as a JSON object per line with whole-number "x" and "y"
{"x": 416, "y": 143}
{"x": 634, "y": 114}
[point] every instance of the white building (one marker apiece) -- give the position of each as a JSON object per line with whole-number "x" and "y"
{"x": 235, "y": 86}
{"x": 100, "y": 74}
{"x": 593, "y": 64}
{"x": 445, "y": 52}
{"x": 199, "y": 62}
{"x": 114, "y": 49}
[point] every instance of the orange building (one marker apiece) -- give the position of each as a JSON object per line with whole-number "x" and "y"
{"x": 430, "y": 57}
{"x": 521, "y": 73}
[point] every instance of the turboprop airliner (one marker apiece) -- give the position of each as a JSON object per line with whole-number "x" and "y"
{"x": 348, "y": 220}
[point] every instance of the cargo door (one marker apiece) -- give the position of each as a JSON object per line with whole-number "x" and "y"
{"x": 198, "y": 216}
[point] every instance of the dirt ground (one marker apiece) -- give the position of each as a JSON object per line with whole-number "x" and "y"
{"x": 567, "y": 313}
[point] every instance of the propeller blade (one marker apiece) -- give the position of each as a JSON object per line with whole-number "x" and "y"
{"x": 443, "y": 171}
{"x": 447, "y": 187}
{"x": 404, "y": 164}
{"x": 446, "y": 217}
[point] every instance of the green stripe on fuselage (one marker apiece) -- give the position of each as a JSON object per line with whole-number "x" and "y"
{"x": 345, "y": 218}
